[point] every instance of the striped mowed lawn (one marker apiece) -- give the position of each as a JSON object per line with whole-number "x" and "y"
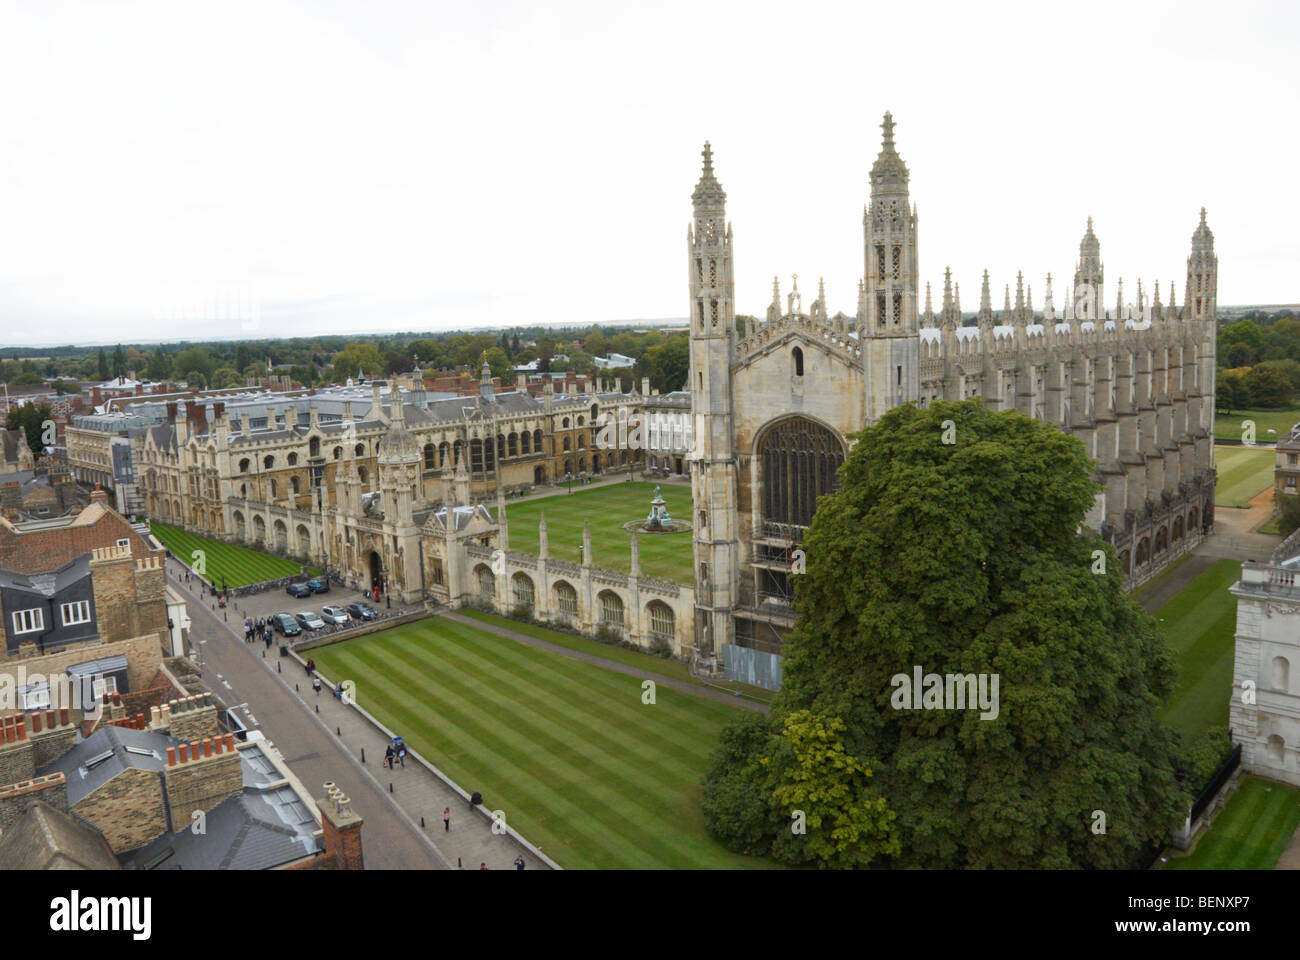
{"x": 1250, "y": 833}
{"x": 1244, "y": 472}
{"x": 240, "y": 565}
{"x": 578, "y": 763}
{"x": 1200, "y": 622}
{"x": 608, "y": 507}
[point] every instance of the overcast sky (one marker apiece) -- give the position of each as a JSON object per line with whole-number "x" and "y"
{"x": 184, "y": 169}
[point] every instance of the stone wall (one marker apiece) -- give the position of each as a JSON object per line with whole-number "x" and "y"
{"x": 129, "y": 809}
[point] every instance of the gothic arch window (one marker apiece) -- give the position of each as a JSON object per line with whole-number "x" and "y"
{"x": 565, "y": 423}
{"x": 521, "y": 590}
{"x": 581, "y": 421}
{"x": 525, "y": 439}
{"x": 512, "y": 445}
{"x": 566, "y": 599}
{"x": 799, "y": 459}
{"x": 338, "y": 452}
{"x": 566, "y": 444}
{"x": 268, "y": 462}
{"x": 662, "y": 620}
{"x": 537, "y": 441}
{"x": 313, "y": 447}
{"x": 364, "y": 474}
{"x": 359, "y": 449}
{"x": 487, "y": 582}
{"x": 611, "y": 609}
{"x": 430, "y": 462}
{"x": 797, "y": 354}
{"x": 443, "y": 449}
{"x": 293, "y": 483}
{"x": 476, "y": 455}
{"x": 293, "y": 459}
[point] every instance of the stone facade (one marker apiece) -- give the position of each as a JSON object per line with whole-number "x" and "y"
{"x": 773, "y": 407}
{"x": 1264, "y": 713}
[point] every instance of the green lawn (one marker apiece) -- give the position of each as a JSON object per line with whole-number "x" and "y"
{"x": 1228, "y": 426}
{"x": 240, "y": 565}
{"x": 1250, "y": 833}
{"x": 675, "y": 669}
{"x": 1200, "y": 622}
{"x": 1244, "y": 472}
{"x": 608, "y": 508}
{"x": 580, "y": 766}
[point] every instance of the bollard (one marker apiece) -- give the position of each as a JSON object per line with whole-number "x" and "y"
{"x": 318, "y": 708}
{"x": 363, "y": 754}
{"x": 390, "y": 787}
{"x": 295, "y": 688}
{"x": 277, "y": 664}
{"x": 338, "y": 732}
{"x": 263, "y": 654}
{"x": 422, "y": 823}
{"x": 458, "y": 863}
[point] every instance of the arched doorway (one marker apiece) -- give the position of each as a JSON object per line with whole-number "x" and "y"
{"x": 376, "y": 571}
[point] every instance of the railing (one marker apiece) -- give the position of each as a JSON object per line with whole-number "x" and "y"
{"x": 1206, "y": 796}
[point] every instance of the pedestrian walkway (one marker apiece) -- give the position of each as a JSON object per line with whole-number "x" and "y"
{"x": 418, "y": 791}
{"x": 695, "y": 689}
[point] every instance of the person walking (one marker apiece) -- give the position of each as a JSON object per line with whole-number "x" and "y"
{"x": 401, "y": 755}
{"x": 519, "y": 863}
{"x": 388, "y": 757}
{"x": 446, "y": 819}
{"x": 315, "y": 685}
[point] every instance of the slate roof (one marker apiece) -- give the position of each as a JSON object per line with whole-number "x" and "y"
{"x": 257, "y": 829}
{"x": 48, "y": 582}
{"x": 83, "y": 780}
{"x": 46, "y": 838}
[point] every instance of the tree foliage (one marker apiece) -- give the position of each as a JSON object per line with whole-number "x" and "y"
{"x": 965, "y": 558}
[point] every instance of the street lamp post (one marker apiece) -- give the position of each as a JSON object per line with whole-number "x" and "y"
{"x": 568, "y": 476}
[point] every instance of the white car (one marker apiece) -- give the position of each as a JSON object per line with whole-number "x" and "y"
{"x": 334, "y": 615}
{"x": 310, "y": 620}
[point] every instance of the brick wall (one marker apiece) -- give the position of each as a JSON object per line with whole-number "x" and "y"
{"x": 16, "y": 798}
{"x": 199, "y": 775}
{"x": 195, "y": 724}
{"x": 129, "y": 595}
{"x": 129, "y": 810}
{"x": 143, "y": 657}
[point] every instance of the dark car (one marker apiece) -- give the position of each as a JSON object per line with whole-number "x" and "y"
{"x": 319, "y": 585}
{"x": 362, "y": 611}
{"x": 285, "y": 624}
{"x": 298, "y": 590}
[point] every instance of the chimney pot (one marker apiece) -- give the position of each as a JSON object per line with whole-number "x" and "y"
{"x": 183, "y": 752}
{"x": 49, "y": 719}
{"x": 171, "y": 756}
{"x": 230, "y": 741}
{"x": 36, "y": 722}
{"x": 207, "y": 746}
{"x": 63, "y": 716}
{"x": 22, "y": 728}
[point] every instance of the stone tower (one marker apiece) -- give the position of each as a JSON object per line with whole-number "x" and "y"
{"x": 888, "y": 308}
{"x": 713, "y": 471}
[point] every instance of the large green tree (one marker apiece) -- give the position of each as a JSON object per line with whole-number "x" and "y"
{"x": 953, "y": 546}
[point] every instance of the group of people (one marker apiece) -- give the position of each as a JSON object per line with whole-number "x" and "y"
{"x": 399, "y": 756}
{"x": 259, "y": 629}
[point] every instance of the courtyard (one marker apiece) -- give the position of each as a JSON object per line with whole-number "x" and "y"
{"x": 607, "y": 507}
{"x": 580, "y": 765}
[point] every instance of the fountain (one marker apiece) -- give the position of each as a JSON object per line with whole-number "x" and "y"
{"x": 657, "y": 520}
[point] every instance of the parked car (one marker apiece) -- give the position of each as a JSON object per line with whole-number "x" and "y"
{"x": 319, "y": 584}
{"x": 334, "y": 615}
{"x": 310, "y": 620}
{"x": 362, "y": 611}
{"x": 299, "y": 590}
{"x": 284, "y": 624}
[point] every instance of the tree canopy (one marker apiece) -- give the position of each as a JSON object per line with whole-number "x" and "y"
{"x": 965, "y": 558}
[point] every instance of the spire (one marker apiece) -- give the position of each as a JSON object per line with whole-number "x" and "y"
{"x": 1049, "y": 307}
{"x": 1203, "y": 238}
{"x": 888, "y": 172}
{"x": 1029, "y": 303}
{"x": 1020, "y": 292}
{"x": 928, "y": 316}
{"x": 986, "y": 302}
{"x": 1173, "y": 302}
{"x": 774, "y": 308}
{"x": 1119, "y": 301}
{"x": 709, "y": 197}
{"x": 1006, "y": 305}
{"x": 1089, "y": 246}
{"x": 956, "y": 302}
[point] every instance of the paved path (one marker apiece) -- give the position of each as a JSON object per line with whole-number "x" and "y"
{"x": 696, "y": 689}
{"x": 1234, "y": 531}
{"x": 238, "y": 673}
{"x": 1165, "y": 587}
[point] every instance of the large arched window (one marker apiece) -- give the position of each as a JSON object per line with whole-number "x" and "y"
{"x": 429, "y": 462}
{"x": 799, "y": 459}
{"x": 566, "y": 599}
{"x": 611, "y": 609}
{"x": 487, "y": 582}
{"x": 797, "y": 354}
{"x": 521, "y": 590}
{"x": 662, "y": 621}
